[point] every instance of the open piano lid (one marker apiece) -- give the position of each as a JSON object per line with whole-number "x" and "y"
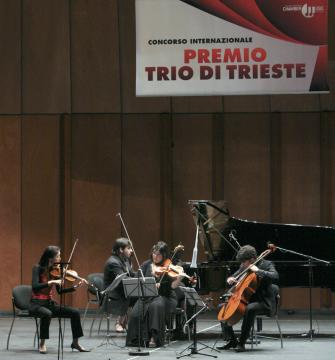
{"x": 215, "y": 225}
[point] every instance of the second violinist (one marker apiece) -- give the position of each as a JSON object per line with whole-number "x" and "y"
{"x": 44, "y": 306}
{"x": 156, "y": 309}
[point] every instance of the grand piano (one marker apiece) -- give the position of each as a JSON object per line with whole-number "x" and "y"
{"x": 222, "y": 234}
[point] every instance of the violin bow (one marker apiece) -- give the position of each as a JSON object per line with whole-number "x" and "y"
{"x": 131, "y": 244}
{"x": 68, "y": 262}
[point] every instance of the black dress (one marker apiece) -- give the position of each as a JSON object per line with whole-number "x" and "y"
{"x": 155, "y": 312}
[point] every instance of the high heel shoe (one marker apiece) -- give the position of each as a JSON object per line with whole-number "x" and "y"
{"x": 42, "y": 349}
{"x": 119, "y": 328}
{"x": 79, "y": 348}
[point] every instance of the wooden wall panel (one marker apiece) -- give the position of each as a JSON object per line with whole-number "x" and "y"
{"x": 95, "y": 56}
{"x": 246, "y": 103}
{"x": 296, "y": 103}
{"x": 197, "y": 104}
{"x": 131, "y": 103}
{"x": 46, "y": 56}
{"x": 192, "y": 174}
{"x": 327, "y": 101}
{"x": 96, "y": 192}
{"x": 40, "y": 188}
{"x": 10, "y": 207}
{"x": 331, "y": 164}
{"x": 331, "y": 32}
{"x": 327, "y": 167}
{"x": 141, "y": 184}
{"x": 218, "y": 156}
{"x": 10, "y": 50}
{"x": 300, "y": 168}
{"x": 275, "y": 167}
{"x": 247, "y": 165}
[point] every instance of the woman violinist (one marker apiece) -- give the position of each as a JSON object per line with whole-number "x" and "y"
{"x": 42, "y": 304}
{"x": 261, "y": 302}
{"x": 157, "y": 309}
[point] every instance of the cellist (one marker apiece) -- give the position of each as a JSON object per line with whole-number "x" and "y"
{"x": 262, "y": 302}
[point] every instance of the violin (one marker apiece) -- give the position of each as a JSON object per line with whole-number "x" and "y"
{"x": 70, "y": 275}
{"x": 173, "y": 271}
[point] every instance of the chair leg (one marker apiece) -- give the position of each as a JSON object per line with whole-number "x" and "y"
{"x": 85, "y": 313}
{"x": 108, "y": 318}
{"x": 10, "y": 331}
{"x": 93, "y": 321}
{"x": 252, "y": 335}
{"x": 170, "y": 327}
{"x": 37, "y": 333}
{"x": 280, "y": 333}
{"x": 100, "y": 321}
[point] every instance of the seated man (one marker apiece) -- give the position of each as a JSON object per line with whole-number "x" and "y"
{"x": 262, "y": 302}
{"x": 118, "y": 264}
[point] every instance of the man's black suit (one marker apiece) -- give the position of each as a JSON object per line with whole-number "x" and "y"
{"x": 262, "y": 302}
{"x": 115, "y": 266}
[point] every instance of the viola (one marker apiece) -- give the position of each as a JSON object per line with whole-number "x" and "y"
{"x": 239, "y": 294}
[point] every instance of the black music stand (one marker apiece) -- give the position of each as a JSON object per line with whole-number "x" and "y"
{"x": 311, "y": 260}
{"x": 194, "y": 300}
{"x": 106, "y": 304}
{"x": 140, "y": 288}
{"x": 60, "y": 351}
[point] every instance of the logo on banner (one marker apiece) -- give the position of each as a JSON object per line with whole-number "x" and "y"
{"x": 306, "y": 10}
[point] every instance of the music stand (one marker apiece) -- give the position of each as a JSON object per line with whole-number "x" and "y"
{"x": 310, "y": 264}
{"x": 60, "y": 352}
{"x": 194, "y": 300}
{"x": 106, "y": 306}
{"x": 140, "y": 288}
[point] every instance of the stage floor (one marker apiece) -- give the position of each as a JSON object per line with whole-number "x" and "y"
{"x": 295, "y": 327}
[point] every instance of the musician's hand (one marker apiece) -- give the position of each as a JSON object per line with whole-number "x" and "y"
{"x": 80, "y": 283}
{"x": 231, "y": 280}
{"x": 55, "y": 282}
{"x": 158, "y": 285}
{"x": 254, "y": 268}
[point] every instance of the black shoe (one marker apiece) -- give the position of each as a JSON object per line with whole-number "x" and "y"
{"x": 240, "y": 347}
{"x": 229, "y": 345}
{"x": 79, "y": 348}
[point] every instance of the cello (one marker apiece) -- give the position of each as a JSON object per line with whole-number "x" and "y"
{"x": 240, "y": 293}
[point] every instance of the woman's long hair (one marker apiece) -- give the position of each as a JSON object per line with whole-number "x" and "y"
{"x": 49, "y": 253}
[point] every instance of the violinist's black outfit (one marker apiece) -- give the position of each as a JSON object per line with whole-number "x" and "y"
{"x": 43, "y": 306}
{"x": 156, "y": 312}
{"x": 117, "y": 265}
{"x": 262, "y": 302}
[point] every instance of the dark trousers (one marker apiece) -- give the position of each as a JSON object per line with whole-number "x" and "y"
{"x": 46, "y": 309}
{"x": 251, "y": 311}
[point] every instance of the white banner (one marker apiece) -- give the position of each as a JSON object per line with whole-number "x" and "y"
{"x": 224, "y": 47}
